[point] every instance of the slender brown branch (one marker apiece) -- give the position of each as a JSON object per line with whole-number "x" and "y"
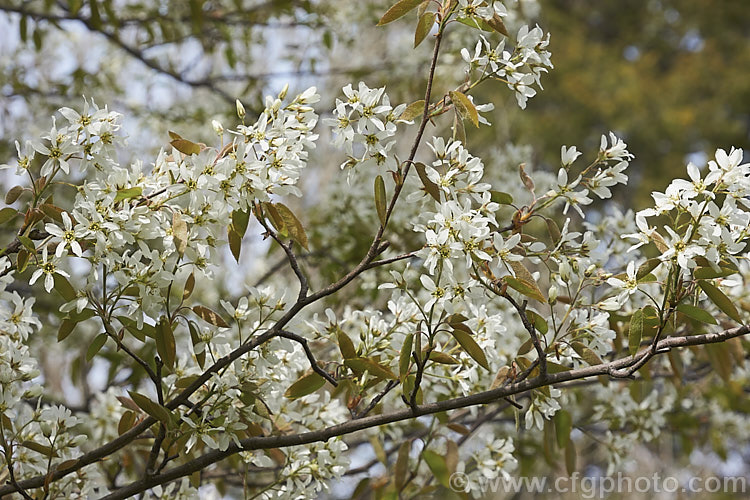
{"x": 310, "y": 357}
{"x": 265, "y": 442}
{"x": 521, "y": 308}
{"x": 388, "y": 387}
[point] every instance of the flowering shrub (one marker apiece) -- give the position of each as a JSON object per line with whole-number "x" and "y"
{"x": 503, "y": 300}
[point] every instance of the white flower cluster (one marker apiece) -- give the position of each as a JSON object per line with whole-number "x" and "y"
{"x": 128, "y": 220}
{"x": 520, "y": 68}
{"x": 89, "y": 139}
{"x": 606, "y": 171}
{"x": 364, "y": 125}
{"x": 714, "y": 209}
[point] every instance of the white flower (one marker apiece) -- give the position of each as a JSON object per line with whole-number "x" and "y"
{"x": 67, "y": 237}
{"x": 568, "y": 155}
{"x": 48, "y": 268}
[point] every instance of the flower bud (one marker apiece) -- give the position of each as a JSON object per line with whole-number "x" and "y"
{"x": 553, "y": 294}
{"x": 218, "y": 127}
{"x": 240, "y": 109}
{"x": 283, "y": 92}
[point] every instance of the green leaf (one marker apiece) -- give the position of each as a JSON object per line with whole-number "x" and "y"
{"x": 443, "y": 358}
{"x": 53, "y": 212}
{"x": 95, "y": 346}
{"x": 26, "y": 242}
{"x": 45, "y": 450}
{"x": 636, "y": 331}
{"x": 497, "y": 24}
{"x": 525, "y": 288}
{"x": 398, "y": 10}
{"x": 413, "y": 110}
{"x": 437, "y": 465}
{"x": 128, "y": 193}
{"x": 186, "y": 147}
{"x": 179, "y": 232}
{"x": 707, "y": 273}
{"x": 430, "y": 187}
{"x": 539, "y": 323}
{"x": 465, "y": 107}
{"x": 380, "y": 199}
{"x": 234, "y": 239}
{"x": 292, "y": 224}
{"x": 66, "y": 328}
{"x": 240, "y": 219}
{"x": 424, "y": 26}
{"x": 361, "y": 365}
{"x": 402, "y": 464}
{"x": 468, "y": 344}
{"x": 7, "y": 214}
{"x": 646, "y": 268}
{"x": 477, "y": 23}
{"x": 346, "y": 346}
{"x": 165, "y": 342}
{"x": 210, "y": 316}
{"x": 12, "y": 195}
{"x": 697, "y": 314}
{"x": 563, "y": 426}
{"x": 501, "y": 198}
{"x": 64, "y": 288}
{"x": 722, "y": 301}
{"x": 189, "y": 286}
{"x": 586, "y": 353}
{"x": 126, "y": 422}
{"x": 159, "y": 412}
{"x": 404, "y": 357}
{"x": 307, "y": 384}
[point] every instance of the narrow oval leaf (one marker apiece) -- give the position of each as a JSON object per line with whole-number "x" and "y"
{"x": 361, "y": 365}
{"x": 424, "y": 26}
{"x": 346, "y": 346}
{"x": 66, "y": 328}
{"x": 402, "y": 464}
{"x": 64, "y": 288}
{"x": 405, "y": 356}
{"x": 210, "y": 316}
{"x": 235, "y": 242}
{"x": 646, "y": 268}
{"x": 430, "y": 187}
{"x": 722, "y": 301}
{"x": 586, "y": 353}
{"x": 380, "y": 200}
{"x": 528, "y": 289}
{"x": 12, "y": 195}
{"x": 165, "y": 342}
{"x": 186, "y": 147}
{"x": 128, "y": 193}
{"x": 438, "y": 466}
{"x": 307, "y": 384}
{"x": 45, "y": 450}
{"x": 498, "y": 25}
{"x": 240, "y": 219}
{"x": 563, "y": 426}
{"x": 471, "y": 347}
{"x": 179, "y": 232}
{"x": 7, "y": 214}
{"x": 189, "y": 286}
{"x": 697, "y": 314}
{"x": 126, "y": 422}
{"x": 465, "y": 107}
{"x": 443, "y": 358}
{"x": 154, "y": 409}
{"x": 413, "y": 111}
{"x": 398, "y": 10}
{"x": 501, "y": 198}
{"x": 95, "y": 346}
{"x": 636, "y": 331}
{"x": 293, "y": 225}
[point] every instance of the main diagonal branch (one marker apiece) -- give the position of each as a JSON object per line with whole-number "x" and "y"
{"x": 280, "y": 441}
